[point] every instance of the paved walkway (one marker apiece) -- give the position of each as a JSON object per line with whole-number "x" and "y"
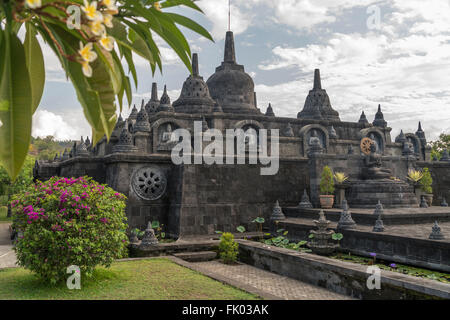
{"x": 7, "y": 255}
{"x": 279, "y": 286}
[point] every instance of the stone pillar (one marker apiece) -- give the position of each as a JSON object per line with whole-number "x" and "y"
{"x": 142, "y": 141}
{"x": 315, "y": 164}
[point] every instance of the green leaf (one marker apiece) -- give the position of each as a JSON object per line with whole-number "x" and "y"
{"x": 337, "y": 236}
{"x": 241, "y": 229}
{"x": 259, "y": 220}
{"x": 173, "y": 3}
{"x": 35, "y": 65}
{"x": 311, "y": 236}
{"x": 190, "y": 24}
{"x": 155, "y": 224}
{"x": 16, "y": 104}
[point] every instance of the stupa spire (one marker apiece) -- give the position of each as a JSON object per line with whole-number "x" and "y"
{"x": 420, "y": 127}
{"x": 317, "y": 81}
{"x": 230, "y": 54}
{"x": 195, "y": 71}
{"x": 154, "y": 92}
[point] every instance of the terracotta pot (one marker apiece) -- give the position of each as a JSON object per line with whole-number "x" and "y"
{"x": 428, "y": 198}
{"x": 326, "y": 201}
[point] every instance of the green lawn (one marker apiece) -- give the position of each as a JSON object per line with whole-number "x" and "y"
{"x": 3, "y": 213}
{"x": 156, "y": 279}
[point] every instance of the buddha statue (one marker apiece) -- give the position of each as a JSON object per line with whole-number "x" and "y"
{"x": 314, "y": 140}
{"x": 314, "y": 143}
{"x": 373, "y": 169}
{"x": 375, "y": 142}
{"x": 168, "y": 139}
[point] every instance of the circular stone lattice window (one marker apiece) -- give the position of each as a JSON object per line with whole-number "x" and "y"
{"x": 149, "y": 183}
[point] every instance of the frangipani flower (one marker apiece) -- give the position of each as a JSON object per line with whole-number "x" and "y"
{"x": 107, "y": 20}
{"x": 111, "y": 5}
{"x": 86, "y": 52}
{"x": 157, "y": 6}
{"x": 33, "y": 4}
{"x": 90, "y": 9}
{"x": 97, "y": 27}
{"x": 107, "y": 42}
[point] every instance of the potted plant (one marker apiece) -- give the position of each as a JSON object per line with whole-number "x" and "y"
{"x": 414, "y": 177}
{"x": 425, "y": 184}
{"x": 340, "y": 179}
{"x": 326, "y": 188}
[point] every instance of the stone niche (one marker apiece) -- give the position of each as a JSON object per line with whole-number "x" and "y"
{"x": 376, "y": 135}
{"x": 163, "y": 134}
{"x": 321, "y": 132}
{"x": 415, "y": 142}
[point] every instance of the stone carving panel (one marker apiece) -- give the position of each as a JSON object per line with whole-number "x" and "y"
{"x": 149, "y": 183}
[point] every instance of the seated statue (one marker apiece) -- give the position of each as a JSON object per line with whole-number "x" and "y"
{"x": 375, "y": 142}
{"x": 314, "y": 143}
{"x": 314, "y": 140}
{"x": 168, "y": 139}
{"x": 373, "y": 169}
{"x": 408, "y": 148}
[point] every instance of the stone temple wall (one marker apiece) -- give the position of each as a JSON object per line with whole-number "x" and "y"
{"x": 222, "y": 197}
{"x": 440, "y": 172}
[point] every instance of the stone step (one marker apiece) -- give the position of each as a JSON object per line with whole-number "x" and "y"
{"x": 402, "y": 216}
{"x": 198, "y": 256}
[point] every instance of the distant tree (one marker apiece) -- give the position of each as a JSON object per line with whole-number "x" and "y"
{"x": 438, "y": 146}
{"x": 23, "y": 180}
{"x": 46, "y": 148}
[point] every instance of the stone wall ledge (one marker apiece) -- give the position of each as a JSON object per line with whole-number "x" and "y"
{"x": 173, "y": 247}
{"x": 339, "y": 276}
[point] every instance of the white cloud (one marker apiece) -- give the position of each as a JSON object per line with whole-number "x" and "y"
{"x": 69, "y": 126}
{"x": 217, "y": 12}
{"x": 405, "y": 66}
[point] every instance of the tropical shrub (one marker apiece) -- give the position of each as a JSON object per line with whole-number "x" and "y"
{"x": 326, "y": 181}
{"x": 414, "y": 176}
{"x": 228, "y": 248}
{"x": 340, "y": 177}
{"x": 158, "y": 228}
{"x": 426, "y": 181}
{"x": 280, "y": 240}
{"x": 64, "y": 222}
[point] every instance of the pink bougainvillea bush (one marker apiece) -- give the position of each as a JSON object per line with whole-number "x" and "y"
{"x": 63, "y": 222}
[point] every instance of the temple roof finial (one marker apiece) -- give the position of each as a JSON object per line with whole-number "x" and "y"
{"x": 420, "y": 127}
{"x": 154, "y": 92}
{"x": 195, "y": 71}
{"x": 379, "y": 118}
{"x": 317, "y": 81}
{"x": 230, "y": 55}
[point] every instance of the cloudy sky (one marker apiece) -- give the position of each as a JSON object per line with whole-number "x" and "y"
{"x": 393, "y": 52}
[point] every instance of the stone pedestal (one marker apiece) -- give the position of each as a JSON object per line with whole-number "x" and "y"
{"x": 393, "y": 194}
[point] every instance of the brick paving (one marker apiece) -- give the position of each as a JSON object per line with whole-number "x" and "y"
{"x": 274, "y": 284}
